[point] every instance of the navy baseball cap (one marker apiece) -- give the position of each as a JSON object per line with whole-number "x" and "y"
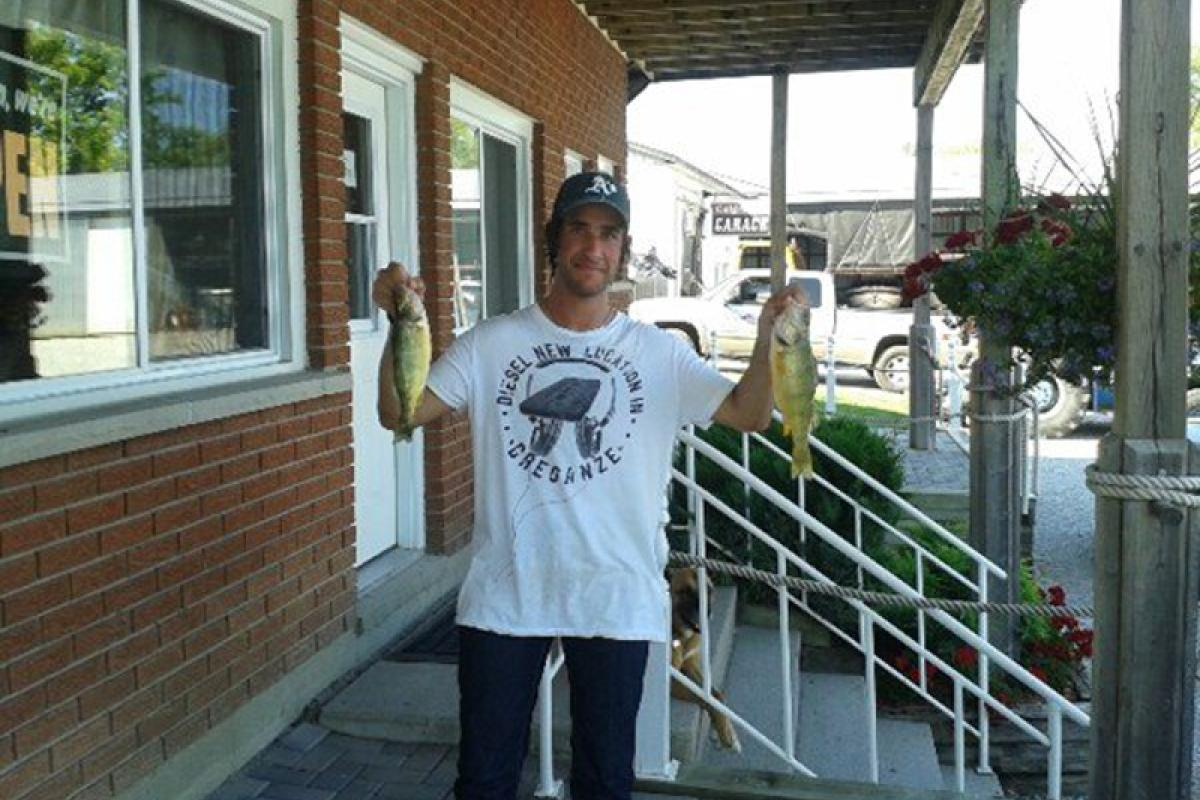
{"x": 584, "y": 188}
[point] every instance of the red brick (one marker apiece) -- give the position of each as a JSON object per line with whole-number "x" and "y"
{"x": 162, "y": 662}
{"x": 18, "y": 502}
{"x": 65, "y": 491}
{"x": 125, "y": 474}
{"x": 174, "y": 461}
{"x": 221, "y": 448}
{"x": 68, "y": 554}
{"x": 75, "y": 680}
{"x": 177, "y": 515}
{"x": 46, "y": 728}
{"x": 100, "y": 761}
{"x": 203, "y": 585}
{"x": 239, "y": 468}
{"x": 106, "y": 694}
{"x": 17, "y": 709}
{"x": 259, "y": 438}
{"x": 196, "y": 481}
{"x": 144, "y": 761}
{"x": 81, "y": 742}
{"x": 32, "y": 533}
{"x": 158, "y": 609}
{"x": 136, "y": 707}
{"x": 221, "y": 499}
{"x": 179, "y": 621}
{"x": 59, "y": 785}
{"x": 36, "y": 599}
{"x": 126, "y": 533}
{"x": 98, "y": 575}
{"x": 16, "y": 573}
{"x": 161, "y": 719}
{"x": 31, "y": 472}
{"x": 200, "y": 534}
{"x": 151, "y": 496}
{"x": 129, "y": 592}
{"x": 95, "y": 513}
{"x": 152, "y": 553}
{"x": 101, "y": 635}
{"x": 74, "y": 616}
{"x": 16, "y": 640}
{"x": 15, "y": 781}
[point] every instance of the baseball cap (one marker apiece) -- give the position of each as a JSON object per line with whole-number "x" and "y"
{"x": 583, "y": 188}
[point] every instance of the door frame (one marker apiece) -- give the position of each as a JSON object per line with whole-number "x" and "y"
{"x": 371, "y": 55}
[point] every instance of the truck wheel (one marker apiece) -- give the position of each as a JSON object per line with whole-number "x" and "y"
{"x": 1060, "y": 406}
{"x": 890, "y": 370}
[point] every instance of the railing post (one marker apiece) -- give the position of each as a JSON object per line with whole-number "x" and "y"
{"x": 830, "y": 377}
{"x": 960, "y": 735}
{"x": 653, "y": 755}
{"x": 867, "y": 626}
{"x": 858, "y": 540}
{"x": 785, "y": 657}
{"x": 985, "y": 722}
{"x": 548, "y": 787}
{"x": 920, "y": 574}
{"x": 1054, "y": 731}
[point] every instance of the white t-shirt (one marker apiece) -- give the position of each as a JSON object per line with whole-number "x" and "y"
{"x": 572, "y": 434}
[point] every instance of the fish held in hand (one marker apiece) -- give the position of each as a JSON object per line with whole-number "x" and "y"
{"x": 793, "y": 382}
{"x": 411, "y": 351}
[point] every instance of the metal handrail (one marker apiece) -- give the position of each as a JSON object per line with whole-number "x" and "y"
{"x": 1057, "y": 704}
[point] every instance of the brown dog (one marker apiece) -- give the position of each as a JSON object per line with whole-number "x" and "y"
{"x": 685, "y": 650}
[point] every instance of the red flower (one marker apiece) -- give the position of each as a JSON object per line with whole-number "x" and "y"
{"x": 1057, "y": 202}
{"x": 1056, "y": 595}
{"x": 931, "y": 671}
{"x": 901, "y": 662}
{"x": 960, "y": 240}
{"x": 1064, "y": 622}
{"x": 917, "y": 275}
{"x": 1058, "y": 232}
{"x": 1038, "y": 673}
{"x": 1082, "y": 639}
{"x": 1013, "y": 227}
{"x": 913, "y": 674}
{"x": 965, "y": 657}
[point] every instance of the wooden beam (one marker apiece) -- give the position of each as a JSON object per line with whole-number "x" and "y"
{"x": 772, "y": 55}
{"x": 1148, "y": 554}
{"x": 680, "y": 7}
{"x": 954, "y": 25}
{"x": 779, "y": 112}
{"x": 745, "y": 44}
{"x": 921, "y": 397}
{"x": 764, "y": 35}
{"x": 995, "y": 441}
{"x": 840, "y": 64}
{"x": 874, "y": 9}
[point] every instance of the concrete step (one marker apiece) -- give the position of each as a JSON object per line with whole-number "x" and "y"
{"x": 977, "y": 785}
{"x": 418, "y": 701}
{"x": 754, "y": 689}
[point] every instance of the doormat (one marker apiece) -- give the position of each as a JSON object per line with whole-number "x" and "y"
{"x": 435, "y": 640}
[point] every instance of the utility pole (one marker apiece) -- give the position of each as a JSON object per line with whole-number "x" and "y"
{"x": 779, "y": 111}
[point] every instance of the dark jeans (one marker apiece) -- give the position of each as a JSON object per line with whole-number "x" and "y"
{"x": 498, "y": 682}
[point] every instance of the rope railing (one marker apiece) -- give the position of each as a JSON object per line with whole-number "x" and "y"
{"x": 878, "y": 598}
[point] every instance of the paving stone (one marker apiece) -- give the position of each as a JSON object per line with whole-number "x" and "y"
{"x": 303, "y": 737}
{"x": 239, "y": 787}
{"x": 275, "y": 774}
{"x": 333, "y": 779}
{"x": 359, "y": 789}
{"x": 399, "y": 748}
{"x": 353, "y": 744}
{"x": 425, "y": 757}
{"x": 409, "y": 791}
{"x": 283, "y": 791}
{"x": 279, "y": 755}
{"x": 393, "y": 775}
{"x": 351, "y": 760}
{"x": 444, "y": 773}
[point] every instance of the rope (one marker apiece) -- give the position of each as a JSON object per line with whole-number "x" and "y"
{"x": 878, "y": 598}
{"x": 1176, "y": 491}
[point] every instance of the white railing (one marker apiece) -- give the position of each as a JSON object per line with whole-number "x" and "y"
{"x": 870, "y": 621}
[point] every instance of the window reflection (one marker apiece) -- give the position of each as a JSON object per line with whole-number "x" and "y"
{"x": 201, "y": 147}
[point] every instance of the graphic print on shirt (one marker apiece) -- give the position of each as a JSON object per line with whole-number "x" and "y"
{"x": 594, "y": 395}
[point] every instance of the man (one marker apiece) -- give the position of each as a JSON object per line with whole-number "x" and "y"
{"x": 573, "y": 409}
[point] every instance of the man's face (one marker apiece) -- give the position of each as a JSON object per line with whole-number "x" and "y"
{"x": 589, "y": 250}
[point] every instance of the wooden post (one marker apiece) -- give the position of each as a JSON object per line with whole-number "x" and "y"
{"x": 779, "y": 107}
{"x": 921, "y": 397}
{"x": 1147, "y": 566}
{"x": 995, "y": 481}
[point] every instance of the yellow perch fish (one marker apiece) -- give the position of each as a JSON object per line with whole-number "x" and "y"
{"x": 794, "y": 380}
{"x": 411, "y": 350}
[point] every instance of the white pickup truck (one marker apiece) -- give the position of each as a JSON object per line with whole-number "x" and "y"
{"x": 874, "y": 340}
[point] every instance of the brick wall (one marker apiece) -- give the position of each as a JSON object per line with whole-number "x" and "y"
{"x": 149, "y": 587}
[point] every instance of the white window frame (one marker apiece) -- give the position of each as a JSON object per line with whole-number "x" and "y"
{"x": 497, "y": 119}
{"x": 372, "y": 55}
{"x": 274, "y": 22}
{"x": 604, "y": 164}
{"x": 572, "y": 163}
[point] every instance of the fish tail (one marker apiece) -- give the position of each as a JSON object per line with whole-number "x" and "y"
{"x": 802, "y": 464}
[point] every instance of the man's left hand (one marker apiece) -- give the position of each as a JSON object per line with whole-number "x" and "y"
{"x": 776, "y": 305}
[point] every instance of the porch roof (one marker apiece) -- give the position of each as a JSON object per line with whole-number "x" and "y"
{"x": 689, "y": 39}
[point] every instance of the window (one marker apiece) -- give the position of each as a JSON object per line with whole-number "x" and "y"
{"x": 572, "y": 163}
{"x": 604, "y": 164}
{"x": 490, "y": 202}
{"x": 138, "y": 238}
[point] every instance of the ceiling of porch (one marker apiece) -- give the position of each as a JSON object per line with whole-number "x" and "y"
{"x": 689, "y": 39}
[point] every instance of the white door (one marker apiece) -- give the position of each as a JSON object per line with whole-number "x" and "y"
{"x": 388, "y": 476}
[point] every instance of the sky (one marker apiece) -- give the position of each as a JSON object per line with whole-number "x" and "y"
{"x": 855, "y": 132}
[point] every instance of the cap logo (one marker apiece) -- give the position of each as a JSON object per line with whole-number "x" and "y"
{"x": 600, "y": 185}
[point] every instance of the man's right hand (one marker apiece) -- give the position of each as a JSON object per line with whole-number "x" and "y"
{"x": 388, "y": 284}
